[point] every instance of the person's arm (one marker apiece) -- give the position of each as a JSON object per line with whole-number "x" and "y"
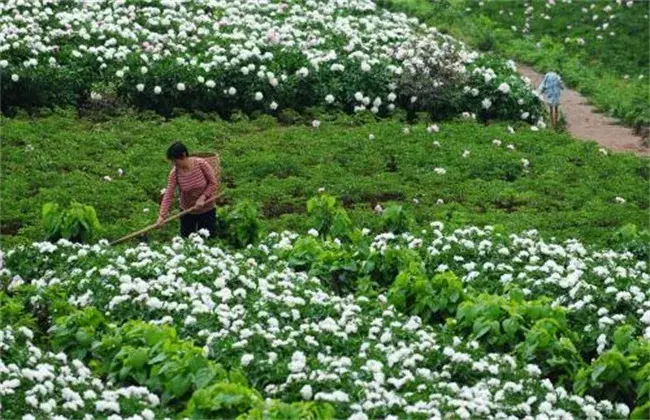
{"x": 169, "y": 196}
{"x": 210, "y": 178}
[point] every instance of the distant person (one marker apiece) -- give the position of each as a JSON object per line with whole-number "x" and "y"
{"x": 552, "y": 87}
{"x": 197, "y": 184}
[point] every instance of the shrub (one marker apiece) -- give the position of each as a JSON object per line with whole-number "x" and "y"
{"x": 79, "y": 223}
{"x": 431, "y": 299}
{"x": 328, "y": 217}
{"x": 397, "y": 220}
{"x": 240, "y": 225}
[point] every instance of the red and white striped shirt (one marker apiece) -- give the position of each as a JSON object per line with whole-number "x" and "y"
{"x": 198, "y": 180}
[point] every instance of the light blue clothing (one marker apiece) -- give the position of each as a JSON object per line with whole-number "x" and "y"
{"x": 552, "y": 86}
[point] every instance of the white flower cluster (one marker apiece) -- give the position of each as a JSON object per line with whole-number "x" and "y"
{"x": 37, "y": 384}
{"x": 230, "y": 46}
{"x": 250, "y": 310}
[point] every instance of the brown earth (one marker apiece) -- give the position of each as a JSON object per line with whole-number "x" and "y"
{"x": 584, "y": 123}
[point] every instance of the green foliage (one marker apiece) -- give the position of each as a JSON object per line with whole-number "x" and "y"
{"x": 431, "y": 299}
{"x": 621, "y": 373}
{"x": 328, "y": 217}
{"x": 78, "y": 223}
{"x": 240, "y": 225}
{"x": 154, "y": 357}
{"x": 222, "y": 400}
{"x": 78, "y": 332}
{"x": 630, "y": 238}
{"x": 396, "y": 219}
{"x": 277, "y": 410}
{"x": 568, "y": 193}
{"x": 384, "y": 267}
{"x": 502, "y": 322}
{"x": 610, "y": 376}
{"x": 549, "y": 344}
{"x": 14, "y": 311}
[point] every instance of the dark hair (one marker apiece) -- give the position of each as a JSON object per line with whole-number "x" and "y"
{"x": 177, "y": 150}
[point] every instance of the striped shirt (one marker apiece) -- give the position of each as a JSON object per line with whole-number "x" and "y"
{"x": 192, "y": 184}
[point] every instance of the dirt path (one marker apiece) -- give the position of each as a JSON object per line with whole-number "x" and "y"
{"x": 586, "y": 124}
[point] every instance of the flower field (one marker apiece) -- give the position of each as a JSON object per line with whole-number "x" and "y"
{"x": 482, "y": 342}
{"x": 399, "y": 235}
{"x": 251, "y": 56}
{"x": 599, "y": 47}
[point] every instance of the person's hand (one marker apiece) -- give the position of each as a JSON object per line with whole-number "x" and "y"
{"x": 159, "y": 223}
{"x": 200, "y": 202}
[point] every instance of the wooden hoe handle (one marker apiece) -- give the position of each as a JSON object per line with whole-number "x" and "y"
{"x": 150, "y": 227}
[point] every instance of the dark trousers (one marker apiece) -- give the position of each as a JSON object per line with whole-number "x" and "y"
{"x": 191, "y": 223}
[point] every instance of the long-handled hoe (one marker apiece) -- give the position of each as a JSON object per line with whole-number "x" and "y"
{"x": 150, "y": 227}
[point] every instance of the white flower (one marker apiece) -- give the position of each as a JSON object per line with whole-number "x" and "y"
{"x": 496, "y": 142}
{"x": 139, "y": 87}
{"x": 511, "y": 130}
{"x": 306, "y": 392}
{"x": 313, "y": 232}
{"x": 157, "y": 90}
{"x": 379, "y": 209}
{"x": 143, "y": 70}
{"x": 4, "y": 63}
{"x": 107, "y": 178}
{"x": 466, "y": 153}
{"x": 329, "y": 98}
{"x": 180, "y": 87}
{"x": 436, "y": 144}
{"x": 298, "y": 362}
{"x": 232, "y": 91}
{"x": 365, "y": 67}
{"x": 525, "y": 163}
{"x": 371, "y": 136}
{"x": 273, "y": 106}
{"x": 525, "y": 115}
{"x": 504, "y": 88}
{"x": 210, "y": 84}
{"x": 259, "y": 96}
{"x": 247, "y": 359}
{"x": 200, "y": 79}
{"x": 440, "y": 171}
{"x": 358, "y": 96}
{"x": 440, "y": 201}
{"x": 302, "y": 72}
{"x": 15, "y": 77}
{"x": 603, "y": 151}
{"x": 119, "y": 73}
{"x": 391, "y": 97}
{"x": 315, "y": 123}
{"x": 619, "y": 200}
{"x": 486, "y": 103}
{"x": 433, "y": 128}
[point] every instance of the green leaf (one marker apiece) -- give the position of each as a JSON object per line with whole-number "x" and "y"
{"x": 510, "y": 326}
{"x": 137, "y": 358}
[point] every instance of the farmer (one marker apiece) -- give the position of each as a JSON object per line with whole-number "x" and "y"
{"x": 197, "y": 184}
{"x": 552, "y": 86}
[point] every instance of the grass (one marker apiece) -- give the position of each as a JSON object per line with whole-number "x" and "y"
{"x": 596, "y": 71}
{"x": 568, "y": 191}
